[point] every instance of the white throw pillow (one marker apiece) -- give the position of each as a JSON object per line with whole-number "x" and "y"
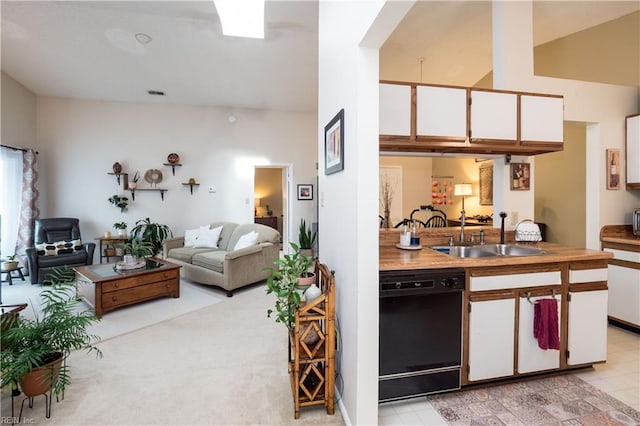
{"x": 191, "y": 235}
{"x": 247, "y": 240}
{"x": 208, "y": 238}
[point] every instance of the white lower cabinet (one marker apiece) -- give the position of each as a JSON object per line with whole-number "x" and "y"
{"x": 624, "y": 294}
{"x": 530, "y": 357}
{"x": 491, "y": 338}
{"x": 587, "y": 338}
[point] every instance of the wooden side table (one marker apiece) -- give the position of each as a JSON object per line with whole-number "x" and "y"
{"x": 108, "y": 244}
{"x": 9, "y": 271}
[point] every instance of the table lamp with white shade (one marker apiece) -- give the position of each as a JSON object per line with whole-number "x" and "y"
{"x": 462, "y": 190}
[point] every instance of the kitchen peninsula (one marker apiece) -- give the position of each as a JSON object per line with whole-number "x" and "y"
{"x": 499, "y": 297}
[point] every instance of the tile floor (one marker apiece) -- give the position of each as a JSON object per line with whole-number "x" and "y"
{"x": 619, "y": 377}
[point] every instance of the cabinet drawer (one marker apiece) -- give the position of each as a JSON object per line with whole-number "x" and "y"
{"x": 587, "y": 275}
{"x": 629, "y": 256}
{"x": 139, "y": 280}
{"x": 496, "y": 282}
{"x": 138, "y": 294}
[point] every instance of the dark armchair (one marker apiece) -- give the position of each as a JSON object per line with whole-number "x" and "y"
{"x": 57, "y": 243}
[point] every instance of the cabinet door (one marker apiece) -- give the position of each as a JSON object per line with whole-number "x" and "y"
{"x": 633, "y": 151}
{"x": 395, "y": 109}
{"x": 587, "y": 339}
{"x": 494, "y": 116}
{"x": 624, "y": 294}
{"x": 441, "y": 111}
{"x": 530, "y": 357}
{"x": 491, "y": 338}
{"x": 541, "y": 119}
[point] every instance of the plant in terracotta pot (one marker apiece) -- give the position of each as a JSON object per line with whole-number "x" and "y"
{"x": 151, "y": 232}
{"x": 33, "y": 350}
{"x": 288, "y": 282}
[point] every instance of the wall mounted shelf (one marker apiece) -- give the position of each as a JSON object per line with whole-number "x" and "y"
{"x": 190, "y": 185}
{"x": 160, "y": 190}
{"x": 173, "y": 167}
{"x": 125, "y": 176}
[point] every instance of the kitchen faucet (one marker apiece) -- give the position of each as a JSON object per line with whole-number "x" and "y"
{"x": 503, "y": 215}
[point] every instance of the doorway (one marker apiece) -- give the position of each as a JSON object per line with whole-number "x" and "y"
{"x": 271, "y": 198}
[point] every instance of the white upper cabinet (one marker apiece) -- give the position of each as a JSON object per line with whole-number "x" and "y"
{"x": 441, "y": 112}
{"x": 494, "y": 115}
{"x": 395, "y": 109}
{"x": 541, "y": 119}
{"x": 633, "y": 151}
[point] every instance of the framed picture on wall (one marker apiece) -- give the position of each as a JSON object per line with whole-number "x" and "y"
{"x": 305, "y": 192}
{"x": 334, "y": 144}
{"x": 613, "y": 169}
{"x": 486, "y": 184}
{"x": 520, "y": 176}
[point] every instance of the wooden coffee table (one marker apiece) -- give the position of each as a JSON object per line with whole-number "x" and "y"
{"x": 105, "y": 288}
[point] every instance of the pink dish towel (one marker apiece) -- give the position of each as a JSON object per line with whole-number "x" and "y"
{"x": 545, "y": 323}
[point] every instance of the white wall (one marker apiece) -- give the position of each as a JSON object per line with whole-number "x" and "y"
{"x": 603, "y": 106}
{"x": 18, "y": 114}
{"x": 80, "y": 140}
{"x": 348, "y": 242}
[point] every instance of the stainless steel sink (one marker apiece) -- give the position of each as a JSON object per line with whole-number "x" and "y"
{"x": 489, "y": 250}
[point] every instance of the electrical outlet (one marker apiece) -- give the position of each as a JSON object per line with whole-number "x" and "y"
{"x": 212, "y": 189}
{"x": 514, "y": 218}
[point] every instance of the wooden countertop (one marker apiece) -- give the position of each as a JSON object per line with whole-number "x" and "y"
{"x": 619, "y": 234}
{"x": 392, "y": 258}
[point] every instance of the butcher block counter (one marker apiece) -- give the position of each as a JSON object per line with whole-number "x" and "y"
{"x": 392, "y": 258}
{"x": 499, "y": 297}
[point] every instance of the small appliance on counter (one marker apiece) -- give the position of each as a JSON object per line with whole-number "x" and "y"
{"x": 635, "y": 220}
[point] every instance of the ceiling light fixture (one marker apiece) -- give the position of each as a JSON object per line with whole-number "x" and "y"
{"x": 143, "y": 38}
{"x": 241, "y": 18}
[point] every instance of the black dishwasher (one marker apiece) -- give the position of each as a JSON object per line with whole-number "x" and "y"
{"x": 420, "y": 332}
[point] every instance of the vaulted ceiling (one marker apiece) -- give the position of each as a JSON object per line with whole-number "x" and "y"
{"x": 88, "y": 49}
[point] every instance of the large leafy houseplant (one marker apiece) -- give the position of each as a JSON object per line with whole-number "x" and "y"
{"x": 283, "y": 283}
{"x": 152, "y": 233}
{"x": 29, "y": 344}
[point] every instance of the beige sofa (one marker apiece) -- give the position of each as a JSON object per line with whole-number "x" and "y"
{"x": 224, "y": 267}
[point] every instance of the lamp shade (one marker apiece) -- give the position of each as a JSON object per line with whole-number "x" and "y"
{"x": 462, "y": 189}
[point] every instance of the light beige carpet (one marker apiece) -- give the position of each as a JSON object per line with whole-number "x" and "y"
{"x": 224, "y": 364}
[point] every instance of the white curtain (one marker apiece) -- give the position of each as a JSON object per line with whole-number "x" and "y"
{"x": 11, "y": 184}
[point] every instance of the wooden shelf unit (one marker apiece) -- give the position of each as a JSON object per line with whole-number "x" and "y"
{"x": 312, "y": 364}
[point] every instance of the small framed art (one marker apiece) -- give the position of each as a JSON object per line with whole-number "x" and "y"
{"x": 305, "y": 192}
{"x": 613, "y": 169}
{"x": 334, "y": 144}
{"x": 520, "y": 176}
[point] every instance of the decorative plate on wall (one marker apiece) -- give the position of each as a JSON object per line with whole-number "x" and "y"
{"x": 153, "y": 176}
{"x": 173, "y": 158}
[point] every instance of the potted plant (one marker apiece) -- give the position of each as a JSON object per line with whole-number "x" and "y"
{"x": 119, "y": 202}
{"x": 121, "y": 227}
{"x": 138, "y": 249}
{"x": 33, "y": 350}
{"x": 306, "y": 238}
{"x": 134, "y": 181}
{"x": 288, "y": 282}
{"x": 150, "y": 232}
{"x": 10, "y": 263}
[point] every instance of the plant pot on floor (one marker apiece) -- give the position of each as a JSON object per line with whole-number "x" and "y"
{"x": 40, "y": 380}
